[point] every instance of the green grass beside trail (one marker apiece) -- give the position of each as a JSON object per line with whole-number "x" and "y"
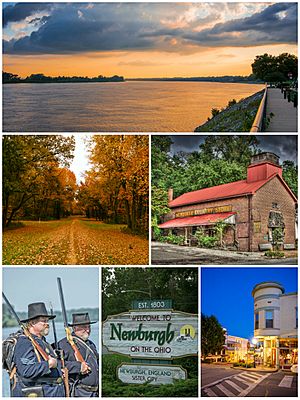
{"x": 112, "y": 387}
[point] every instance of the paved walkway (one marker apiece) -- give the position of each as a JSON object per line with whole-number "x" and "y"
{"x": 285, "y": 114}
{"x": 166, "y": 253}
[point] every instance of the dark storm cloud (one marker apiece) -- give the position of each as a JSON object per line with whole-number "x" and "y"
{"x": 285, "y": 146}
{"x": 87, "y": 27}
{"x": 75, "y": 28}
{"x": 275, "y": 24}
{"x": 20, "y": 11}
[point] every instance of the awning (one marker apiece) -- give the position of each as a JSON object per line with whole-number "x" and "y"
{"x": 197, "y": 220}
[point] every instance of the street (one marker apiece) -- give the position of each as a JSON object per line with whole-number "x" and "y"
{"x": 222, "y": 381}
{"x": 165, "y": 253}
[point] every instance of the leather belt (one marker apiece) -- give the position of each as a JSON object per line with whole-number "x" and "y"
{"x": 88, "y": 388}
{"x": 41, "y": 381}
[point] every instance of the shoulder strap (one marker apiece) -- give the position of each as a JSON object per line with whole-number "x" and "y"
{"x": 89, "y": 349}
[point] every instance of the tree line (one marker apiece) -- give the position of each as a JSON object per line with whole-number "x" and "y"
{"x": 9, "y": 321}
{"x": 123, "y": 285}
{"x": 8, "y": 77}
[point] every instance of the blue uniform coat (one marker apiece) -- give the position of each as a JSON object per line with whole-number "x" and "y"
{"x": 30, "y": 369}
{"x": 90, "y": 354}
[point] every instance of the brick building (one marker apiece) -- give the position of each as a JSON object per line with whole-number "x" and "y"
{"x": 255, "y": 210}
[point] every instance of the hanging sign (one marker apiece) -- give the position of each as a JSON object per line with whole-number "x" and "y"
{"x": 163, "y": 334}
{"x": 153, "y": 374}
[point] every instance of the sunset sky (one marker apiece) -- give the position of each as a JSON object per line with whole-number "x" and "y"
{"x": 144, "y": 39}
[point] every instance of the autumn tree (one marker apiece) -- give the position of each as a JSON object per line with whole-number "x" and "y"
{"x": 28, "y": 163}
{"x": 117, "y": 185}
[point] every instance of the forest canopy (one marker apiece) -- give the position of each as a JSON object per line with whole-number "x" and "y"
{"x": 116, "y": 188}
{"x": 38, "y": 184}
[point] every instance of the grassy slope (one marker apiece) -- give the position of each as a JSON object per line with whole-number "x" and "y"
{"x": 238, "y": 118}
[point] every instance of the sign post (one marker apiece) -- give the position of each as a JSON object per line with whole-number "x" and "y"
{"x": 153, "y": 337}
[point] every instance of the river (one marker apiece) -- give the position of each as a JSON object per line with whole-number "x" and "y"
{"x": 133, "y": 106}
{"x": 60, "y": 334}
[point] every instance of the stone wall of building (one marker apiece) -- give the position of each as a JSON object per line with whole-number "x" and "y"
{"x": 272, "y": 197}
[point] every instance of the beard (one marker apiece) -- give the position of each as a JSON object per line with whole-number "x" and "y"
{"x": 85, "y": 336}
{"x": 45, "y": 331}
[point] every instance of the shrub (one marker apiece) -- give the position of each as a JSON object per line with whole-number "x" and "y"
{"x": 174, "y": 239}
{"x": 243, "y": 365}
{"x": 231, "y": 103}
{"x": 274, "y": 254}
{"x": 204, "y": 240}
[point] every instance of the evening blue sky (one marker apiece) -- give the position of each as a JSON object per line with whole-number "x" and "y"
{"x": 23, "y": 286}
{"x": 226, "y": 294}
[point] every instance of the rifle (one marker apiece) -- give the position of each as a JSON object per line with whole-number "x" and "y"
{"x": 60, "y": 355}
{"x": 77, "y": 353}
{"x": 42, "y": 352}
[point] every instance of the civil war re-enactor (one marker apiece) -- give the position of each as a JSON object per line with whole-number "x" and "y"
{"x": 68, "y": 368}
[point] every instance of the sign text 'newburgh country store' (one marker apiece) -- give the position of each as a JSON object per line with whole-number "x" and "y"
{"x": 163, "y": 334}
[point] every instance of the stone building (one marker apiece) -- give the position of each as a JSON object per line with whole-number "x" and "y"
{"x": 257, "y": 212}
{"x": 276, "y": 324}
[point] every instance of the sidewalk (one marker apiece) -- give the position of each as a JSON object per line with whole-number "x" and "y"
{"x": 258, "y": 369}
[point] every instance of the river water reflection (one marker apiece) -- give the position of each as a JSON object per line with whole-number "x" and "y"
{"x": 134, "y": 106}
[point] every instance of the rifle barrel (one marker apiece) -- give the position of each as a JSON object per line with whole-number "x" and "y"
{"x": 62, "y": 302}
{"x": 54, "y": 328}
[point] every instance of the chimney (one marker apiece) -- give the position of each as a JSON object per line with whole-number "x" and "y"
{"x": 262, "y": 166}
{"x": 170, "y": 195}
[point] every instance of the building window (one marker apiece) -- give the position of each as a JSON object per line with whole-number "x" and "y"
{"x": 269, "y": 318}
{"x": 296, "y": 317}
{"x": 256, "y": 320}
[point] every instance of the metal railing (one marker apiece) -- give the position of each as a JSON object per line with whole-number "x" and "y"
{"x": 257, "y": 125}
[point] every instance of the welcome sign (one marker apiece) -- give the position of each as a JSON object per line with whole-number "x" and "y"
{"x": 156, "y": 334}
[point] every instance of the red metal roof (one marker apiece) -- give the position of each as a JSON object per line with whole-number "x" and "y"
{"x": 233, "y": 189}
{"x": 206, "y": 219}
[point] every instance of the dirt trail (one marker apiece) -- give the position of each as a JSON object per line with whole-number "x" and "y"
{"x": 73, "y": 241}
{"x": 72, "y": 259}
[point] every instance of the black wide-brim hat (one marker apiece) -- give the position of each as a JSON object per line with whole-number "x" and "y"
{"x": 36, "y": 310}
{"x": 81, "y": 319}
